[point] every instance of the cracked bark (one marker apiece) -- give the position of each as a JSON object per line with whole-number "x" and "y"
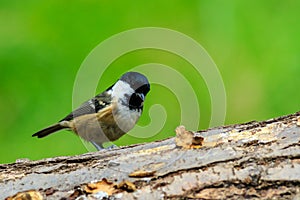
{"x": 257, "y": 160}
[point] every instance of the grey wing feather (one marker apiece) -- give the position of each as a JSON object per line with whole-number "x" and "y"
{"x": 91, "y": 106}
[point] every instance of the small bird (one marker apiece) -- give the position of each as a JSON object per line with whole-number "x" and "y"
{"x": 109, "y": 115}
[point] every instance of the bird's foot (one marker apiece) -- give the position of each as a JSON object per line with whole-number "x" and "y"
{"x": 100, "y": 147}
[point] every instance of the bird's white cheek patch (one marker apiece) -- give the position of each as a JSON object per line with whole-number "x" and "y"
{"x": 120, "y": 89}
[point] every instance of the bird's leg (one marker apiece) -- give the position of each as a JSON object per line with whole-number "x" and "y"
{"x": 99, "y": 147}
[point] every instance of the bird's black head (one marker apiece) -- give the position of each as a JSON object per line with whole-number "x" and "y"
{"x": 140, "y": 84}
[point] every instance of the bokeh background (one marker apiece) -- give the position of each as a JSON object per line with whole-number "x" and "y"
{"x": 255, "y": 45}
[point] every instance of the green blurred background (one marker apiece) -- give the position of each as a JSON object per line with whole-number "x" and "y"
{"x": 255, "y": 45}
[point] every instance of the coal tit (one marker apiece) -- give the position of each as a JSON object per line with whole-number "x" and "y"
{"x": 109, "y": 115}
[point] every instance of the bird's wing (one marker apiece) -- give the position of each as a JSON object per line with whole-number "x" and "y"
{"x": 91, "y": 106}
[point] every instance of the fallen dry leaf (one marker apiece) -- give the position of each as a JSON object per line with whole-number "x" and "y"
{"x": 298, "y": 121}
{"x": 27, "y": 195}
{"x": 188, "y": 139}
{"x": 141, "y": 174}
{"x": 103, "y": 185}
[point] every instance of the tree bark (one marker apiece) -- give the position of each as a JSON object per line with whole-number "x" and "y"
{"x": 257, "y": 160}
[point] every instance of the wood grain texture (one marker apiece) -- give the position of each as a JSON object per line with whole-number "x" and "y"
{"x": 257, "y": 160}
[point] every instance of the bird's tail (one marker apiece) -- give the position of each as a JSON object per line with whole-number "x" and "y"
{"x": 48, "y": 130}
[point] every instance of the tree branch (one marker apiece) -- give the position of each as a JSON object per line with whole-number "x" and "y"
{"x": 254, "y": 160}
